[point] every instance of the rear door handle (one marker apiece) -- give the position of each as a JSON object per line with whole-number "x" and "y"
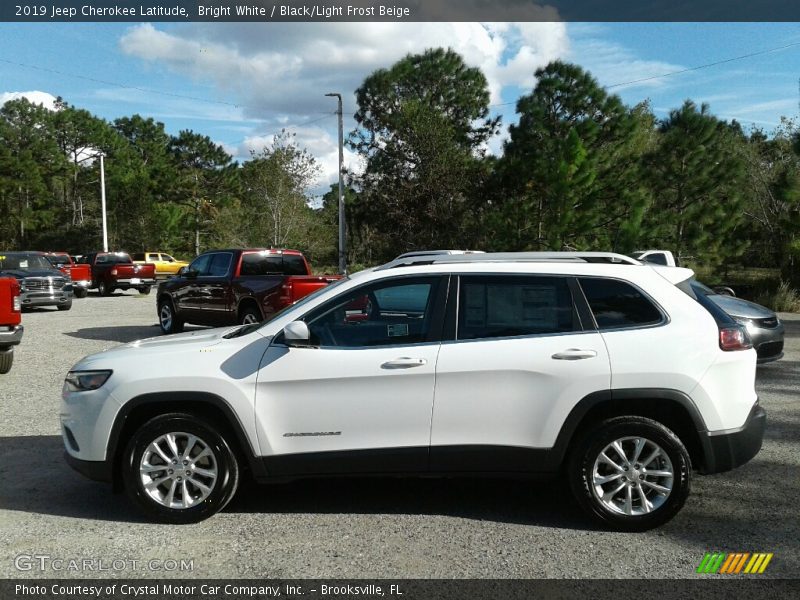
{"x": 574, "y": 354}
{"x": 404, "y": 363}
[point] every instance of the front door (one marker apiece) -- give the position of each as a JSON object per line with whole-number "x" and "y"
{"x": 360, "y": 401}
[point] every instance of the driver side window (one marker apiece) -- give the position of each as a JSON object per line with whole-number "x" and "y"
{"x": 385, "y": 314}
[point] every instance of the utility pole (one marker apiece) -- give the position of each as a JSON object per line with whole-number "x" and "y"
{"x": 342, "y": 247}
{"x": 103, "y": 201}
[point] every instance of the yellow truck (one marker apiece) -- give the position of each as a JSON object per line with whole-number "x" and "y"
{"x": 166, "y": 265}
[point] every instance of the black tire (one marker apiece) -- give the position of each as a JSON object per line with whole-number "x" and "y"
{"x": 66, "y": 306}
{"x": 6, "y": 360}
{"x": 169, "y": 324}
{"x": 80, "y": 292}
{"x": 221, "y": 460}
{"x": 104, "y": 288}
{"x": 144, "y": 290}
{"x": 581, "y": 470}
{"x": 250, "y": 314}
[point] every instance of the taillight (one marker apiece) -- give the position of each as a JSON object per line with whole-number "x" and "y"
{"x": 734, "y": 338}
{"x": 114, "y": 272}
{"x": 16, "y": 303}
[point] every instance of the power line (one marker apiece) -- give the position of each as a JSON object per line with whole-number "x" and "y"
{"x": 687, "y": 70}
{"x": 705, "y": 66}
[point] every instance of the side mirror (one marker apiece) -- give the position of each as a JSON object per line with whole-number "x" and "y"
{"x": 181, "y": 271}
{"x": 189, "y": 273}
{"x": 297, "y": 334}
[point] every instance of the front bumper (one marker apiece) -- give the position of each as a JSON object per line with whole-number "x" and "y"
{"x": 96, "y": 470}
{"x": 11, "y": 336}
{"x": 726, "y": 450}
{"x": 45, "y": 298}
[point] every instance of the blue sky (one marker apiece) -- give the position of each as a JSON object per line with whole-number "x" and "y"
{"x": 258, "y": 78}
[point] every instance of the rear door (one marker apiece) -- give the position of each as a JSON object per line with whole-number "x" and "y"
{"x": 212, "y": 290}
{"x": 520, "y": 359}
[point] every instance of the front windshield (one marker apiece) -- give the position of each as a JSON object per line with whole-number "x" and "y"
{"x": 24, "y": 262}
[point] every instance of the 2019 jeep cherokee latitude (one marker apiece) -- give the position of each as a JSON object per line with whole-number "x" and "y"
{"x": 521, "y": 364}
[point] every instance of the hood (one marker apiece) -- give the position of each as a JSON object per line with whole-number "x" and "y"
{"x": 736, "y": 307}
{"x": 22, "y": 274}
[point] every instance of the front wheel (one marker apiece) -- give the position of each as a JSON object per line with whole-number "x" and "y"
{"x": 630, "y": 473}
{"x": 167, "y": 319}
{"x": 6, "y": 360}
{"x": 178, "y": 469}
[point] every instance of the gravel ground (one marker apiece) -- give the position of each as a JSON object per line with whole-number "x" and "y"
{"x": 366, "y": 528}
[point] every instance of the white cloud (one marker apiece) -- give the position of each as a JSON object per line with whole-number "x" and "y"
{"x": 35, "y": 97}
{"x": 280, "y": 73}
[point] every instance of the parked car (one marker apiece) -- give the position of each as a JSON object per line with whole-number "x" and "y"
{"x": 80, "y": 275}
{"x": 763, "y": 326}
{"x": 10, "y": 321}
{"x": 664, "y": 258}
{"x": 40, "y": 283}
{"x": 225, "y": 287}
{"x": 115, "y": 270}
{"x": 166, "y": 265}
{"x": 509, "y": 364}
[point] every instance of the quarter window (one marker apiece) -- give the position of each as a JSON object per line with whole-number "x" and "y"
{"x": 508, "y": 306}
{"x": 386, "y": 314}
{"x": 617, "y": 304}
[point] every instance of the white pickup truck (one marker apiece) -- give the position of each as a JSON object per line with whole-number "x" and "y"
{"x": 657, "y": 257}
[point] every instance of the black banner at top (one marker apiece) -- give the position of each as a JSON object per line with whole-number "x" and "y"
{"x": 398, "y": 10}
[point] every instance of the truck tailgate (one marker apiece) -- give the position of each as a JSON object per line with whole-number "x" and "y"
{"x": 297, "y": 286}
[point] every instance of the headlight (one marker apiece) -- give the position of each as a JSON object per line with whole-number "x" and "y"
{"x": 84, "y": 381}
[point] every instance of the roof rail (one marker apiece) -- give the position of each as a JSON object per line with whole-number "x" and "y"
{"x": 418, "y": 253}
{"x": 438, "y": 257}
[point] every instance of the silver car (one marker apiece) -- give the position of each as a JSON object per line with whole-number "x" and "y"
{"x": 764, "y": 327}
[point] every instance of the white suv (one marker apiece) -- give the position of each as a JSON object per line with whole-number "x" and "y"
{"x": 527, "y": 365}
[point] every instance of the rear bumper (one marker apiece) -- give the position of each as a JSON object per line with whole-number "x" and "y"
{"x": 124, "y": 284}
{"x": 726, "y": 450}
{"x": 11, "y": 336}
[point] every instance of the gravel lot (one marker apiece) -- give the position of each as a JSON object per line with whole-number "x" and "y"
{"x": 366, "y": 528}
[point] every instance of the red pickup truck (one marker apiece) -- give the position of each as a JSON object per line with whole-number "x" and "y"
{"x": 81, "y": 275}
{"x": 226, "y": 287}
{"x": 116, "y": 270}
{"x": 10, "y": 321}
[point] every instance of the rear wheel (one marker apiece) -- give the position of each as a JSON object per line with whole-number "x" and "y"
{"x": 167, "y": 319}
{"x": 6, "y": 360}
{"x": 104, "y": 288}
{"x": 630, "y": 473}
{"x": 144, "y": 290}
{"x": 178, "y": 469}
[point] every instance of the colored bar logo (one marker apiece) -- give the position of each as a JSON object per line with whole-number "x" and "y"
{"x": 734, "y": 563}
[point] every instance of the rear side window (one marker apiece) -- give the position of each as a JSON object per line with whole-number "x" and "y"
{"x": 617, "y": 304}
{"x": 508, "y": 306}
{"x": 256, "y": 263}
{"x": 138, "y": 256}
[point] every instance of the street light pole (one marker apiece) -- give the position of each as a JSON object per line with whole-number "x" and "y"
{"x": 103, "y": 201}
{"x": 342, "y": 247}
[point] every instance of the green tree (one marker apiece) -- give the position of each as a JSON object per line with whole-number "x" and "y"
{"x": 697, "y": 175}
{"x": 422, "y": 129}
{"x": 205, "y": 181}
{"x": 275, "y": 201}
{"x": 570, "y": 174}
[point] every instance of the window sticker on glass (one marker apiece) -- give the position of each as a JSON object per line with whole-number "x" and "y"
{"x": 23, "y": 264}
{"x": 397, "y": 330}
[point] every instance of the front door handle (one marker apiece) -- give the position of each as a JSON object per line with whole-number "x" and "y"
{"x": 574, "y": 354}
{"x": 404, "y": 363}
